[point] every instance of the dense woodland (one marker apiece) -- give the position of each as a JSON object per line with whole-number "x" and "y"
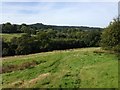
{"x": 41, "y": 38}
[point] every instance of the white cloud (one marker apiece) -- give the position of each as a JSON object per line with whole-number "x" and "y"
{"x": 76, "y": 14}
{"x": 16, "y": 8}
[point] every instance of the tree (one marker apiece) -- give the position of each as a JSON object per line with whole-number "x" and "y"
{"x": 111, "y": 36}
{"x": 9, "y": 28}
{"x": 23, "y": 44}
{"x": 5, "y": 48}
{"x": 44, "y": 40}
{"x": 24, "y": 29}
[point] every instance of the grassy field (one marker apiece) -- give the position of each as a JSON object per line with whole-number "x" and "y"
{"x": 75, "y": 68}
{"x": 8, "y": 37}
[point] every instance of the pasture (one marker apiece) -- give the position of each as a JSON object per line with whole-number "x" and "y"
{"x": 74, "y": 68}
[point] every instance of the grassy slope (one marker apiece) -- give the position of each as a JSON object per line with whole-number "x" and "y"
{"x": 84, "y": 68}
{"x": 8, "y": 37}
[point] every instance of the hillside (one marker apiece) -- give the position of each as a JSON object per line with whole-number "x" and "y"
{"x": 55, "y": 27}
{"x": 83, "y": 68}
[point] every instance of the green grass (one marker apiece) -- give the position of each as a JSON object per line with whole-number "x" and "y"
{"x": 8, "y": 37}
{"x": 75, "y": 68}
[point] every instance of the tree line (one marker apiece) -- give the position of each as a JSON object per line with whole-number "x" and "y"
{"x": 42, "y": 39}
{"x": 48, "y": 39}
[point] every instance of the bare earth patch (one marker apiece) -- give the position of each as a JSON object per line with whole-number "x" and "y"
{"x": 26, "y": 84}
{"x": 33, "y": 81}
{"x": 40, "y": 77}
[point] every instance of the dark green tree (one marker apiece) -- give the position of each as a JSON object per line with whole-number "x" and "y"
{"x": 9, "y": 28}
{"x": 111, "y": 36}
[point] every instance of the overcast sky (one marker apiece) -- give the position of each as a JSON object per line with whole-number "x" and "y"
{"x": 97, "y": 14}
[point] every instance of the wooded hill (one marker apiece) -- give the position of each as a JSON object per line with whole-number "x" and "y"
{"x": 55, "y": 27}
{"x": 15, "y": 28}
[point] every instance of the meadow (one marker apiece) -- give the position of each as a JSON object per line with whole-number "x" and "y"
{"x": 74, "y": 68}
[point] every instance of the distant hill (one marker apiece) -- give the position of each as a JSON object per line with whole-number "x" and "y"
{"x": 15, "y": 28}
{"x": 42, "y": 26}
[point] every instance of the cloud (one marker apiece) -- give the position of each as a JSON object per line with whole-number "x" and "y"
{"x": 60, "y": 13}
{"x": 24, "y": 7}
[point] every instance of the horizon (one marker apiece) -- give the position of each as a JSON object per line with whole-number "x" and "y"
{"x": 96, "y": 14}
{"x": 54, "y": 25}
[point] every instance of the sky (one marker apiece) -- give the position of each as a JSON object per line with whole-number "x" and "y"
{"x": 94, "y": 14}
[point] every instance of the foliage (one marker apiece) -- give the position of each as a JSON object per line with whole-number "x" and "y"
{"x": 34, "y": 28}
{"x": 111, "y": 36}
{"x": 49, "y": 40}
{"x": 35, "y": 39}
{"x": 9, "y": 28}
